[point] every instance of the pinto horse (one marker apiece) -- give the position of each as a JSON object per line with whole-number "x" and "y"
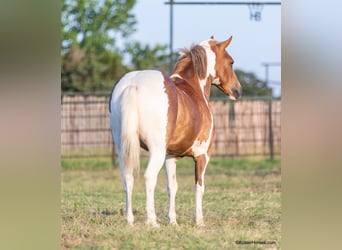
{"x": 170, "y": 117}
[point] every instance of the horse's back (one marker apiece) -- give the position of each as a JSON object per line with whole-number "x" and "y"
{"x": 148, "y": 83}
{"x": 140, "y": 78}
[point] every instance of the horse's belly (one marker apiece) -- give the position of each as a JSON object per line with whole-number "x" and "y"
{"x": 189, "y": 141}
{"x": 180, "y": 143}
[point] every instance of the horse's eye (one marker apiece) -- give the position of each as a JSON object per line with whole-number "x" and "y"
{"x": 232, "y": 63}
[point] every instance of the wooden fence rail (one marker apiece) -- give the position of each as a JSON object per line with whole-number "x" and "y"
{"x": 241, "y": 128}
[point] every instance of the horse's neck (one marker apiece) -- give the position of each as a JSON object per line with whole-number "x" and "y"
{"x": 189, "y": 77}
{"x": 206, "y": 83}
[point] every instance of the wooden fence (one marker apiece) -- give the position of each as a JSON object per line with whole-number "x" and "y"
{"x": 241, "y": 128}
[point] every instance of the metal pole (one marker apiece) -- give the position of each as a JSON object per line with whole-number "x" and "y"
{"x": 270, "y": 128}
{"x": 222, "y": 3}
{"x": 270, "y": 131}
{"x": 266, "y": 73}
{"x": 171, "y": 36}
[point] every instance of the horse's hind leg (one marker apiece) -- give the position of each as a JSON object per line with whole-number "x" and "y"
{"x": 155, "y": 163}
{"x": 172, "y": 186}
{"x": 128, "y": 183}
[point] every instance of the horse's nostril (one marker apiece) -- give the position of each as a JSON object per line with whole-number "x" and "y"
{"x": 236, "y": 92}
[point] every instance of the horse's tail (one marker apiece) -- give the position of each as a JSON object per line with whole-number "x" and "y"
{"x": 130, "y": 144}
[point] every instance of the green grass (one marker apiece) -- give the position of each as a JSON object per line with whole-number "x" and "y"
{"x": 86, "y": 163}
{"x": 241, "y": 203}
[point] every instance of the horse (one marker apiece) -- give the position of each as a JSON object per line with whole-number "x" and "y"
{"x": 170, "y": 117}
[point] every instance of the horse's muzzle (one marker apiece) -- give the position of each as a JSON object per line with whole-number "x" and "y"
{"x": 236, "y": 93}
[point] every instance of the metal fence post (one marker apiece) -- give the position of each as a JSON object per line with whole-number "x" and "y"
{"x": 270, "y": 130}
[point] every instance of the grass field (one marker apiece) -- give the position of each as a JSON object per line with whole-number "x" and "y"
{"x": 241, "y": 206}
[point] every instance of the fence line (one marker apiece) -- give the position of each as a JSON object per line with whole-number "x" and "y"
{"x": 242, "y": 128}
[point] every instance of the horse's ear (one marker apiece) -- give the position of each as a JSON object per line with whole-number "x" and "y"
{"x": 182, "y": 52}
{"x": 225, "y": 44}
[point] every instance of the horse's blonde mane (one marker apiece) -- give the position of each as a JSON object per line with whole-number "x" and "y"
{"x": 196, "y": 54}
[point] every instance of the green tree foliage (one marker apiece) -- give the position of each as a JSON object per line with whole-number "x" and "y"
{"x": 251, "y": 85}
{"x": 92, "y": 31}
{"x": 145, "y": 57}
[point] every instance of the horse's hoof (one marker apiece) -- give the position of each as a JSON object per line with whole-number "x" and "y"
{"x": 200, "y": 223}
{"x": 152, "y": 224}
{"x": 130, "y": 224}
{"x": 130, "y": 221}
{"x": 173, "y": 223}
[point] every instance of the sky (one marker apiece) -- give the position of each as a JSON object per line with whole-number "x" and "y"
{"x": 254, "y": 42}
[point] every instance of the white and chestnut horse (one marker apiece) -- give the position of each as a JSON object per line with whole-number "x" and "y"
{"x": 170, "y": 117}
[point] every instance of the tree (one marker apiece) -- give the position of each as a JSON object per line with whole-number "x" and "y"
{"x": 91, "y": 59}
{"x": 90, "y": 54}
{"x": 145, "y": 57}
{"x": 251, "y": 85}
{"x": 95, "y": 24}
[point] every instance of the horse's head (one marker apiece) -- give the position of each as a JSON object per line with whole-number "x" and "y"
{"x": 220, "y": 67}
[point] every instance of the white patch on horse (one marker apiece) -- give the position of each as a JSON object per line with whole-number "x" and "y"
{"x": 211, "y": 60}
{"x": 216, "y": 81}
{"x": 201, "y": 147}
{"x": 176, "y": 75}
{"x": 152, "y": 126}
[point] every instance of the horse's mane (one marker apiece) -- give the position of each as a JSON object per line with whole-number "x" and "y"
{"x": 197, "y": 56}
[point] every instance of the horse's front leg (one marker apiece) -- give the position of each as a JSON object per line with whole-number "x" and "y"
{"x": 201, "y": 162}
{"x": 172, "y": 186}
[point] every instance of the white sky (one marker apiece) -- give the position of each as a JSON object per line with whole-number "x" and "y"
{"x": 253, "y": 42}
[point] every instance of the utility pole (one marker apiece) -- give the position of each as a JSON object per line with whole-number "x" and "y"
{"x": 171, "y": 36}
